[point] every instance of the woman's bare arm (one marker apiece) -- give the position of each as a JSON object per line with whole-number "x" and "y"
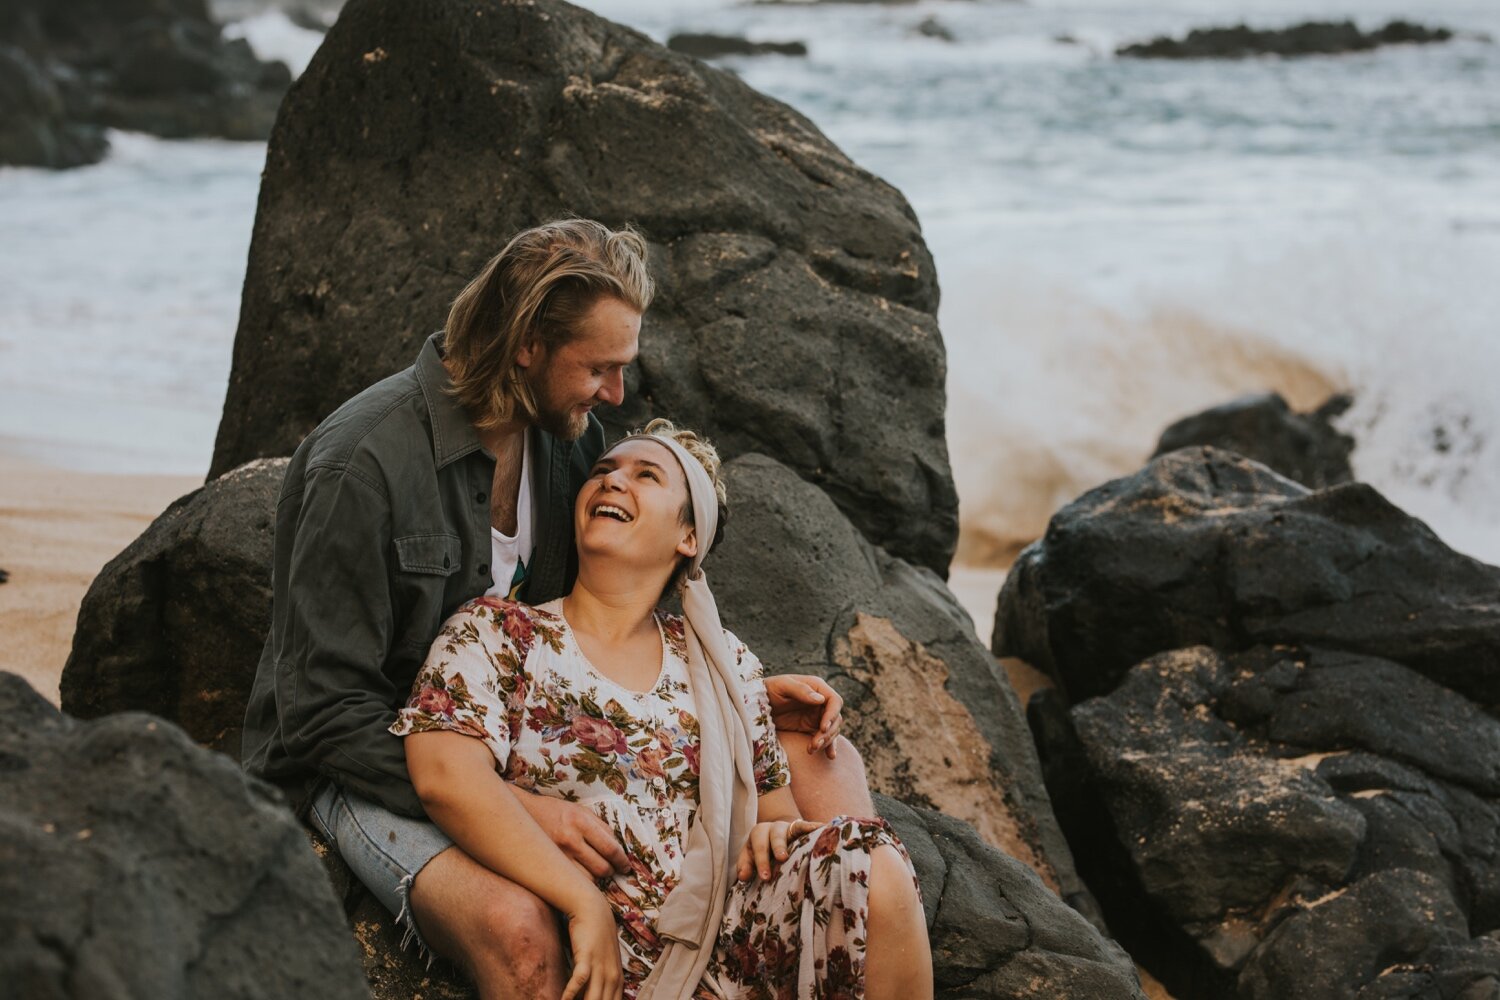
{"x": 455, "y": 778}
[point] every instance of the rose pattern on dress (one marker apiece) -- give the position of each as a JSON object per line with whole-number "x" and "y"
{"x": 514, "y": 677}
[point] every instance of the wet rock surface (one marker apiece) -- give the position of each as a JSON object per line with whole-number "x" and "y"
{"x": 794, "y": 287}
{"x": 1290, "y": 822}
{"x": 1305, "y": 447}
{"x": 174, "y": 624}
{"x": 134, "y": 863}
{"x": 1308, "y": 38}
{"x": 75, "y": 67}
{"x": 1207, "y": 547}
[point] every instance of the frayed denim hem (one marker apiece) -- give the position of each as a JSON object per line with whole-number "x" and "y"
{"x": 408, "y": 924}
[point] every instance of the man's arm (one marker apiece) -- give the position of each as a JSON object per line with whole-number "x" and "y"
{"x": 331, "y": 632}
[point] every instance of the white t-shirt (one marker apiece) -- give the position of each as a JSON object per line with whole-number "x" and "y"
{"x": 511, "y": 554}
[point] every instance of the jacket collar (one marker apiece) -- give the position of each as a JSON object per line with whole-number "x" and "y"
{"x": 453, "y": 436}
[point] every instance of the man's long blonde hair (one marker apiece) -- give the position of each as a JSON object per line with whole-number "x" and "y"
{"x": 535, "y": 291}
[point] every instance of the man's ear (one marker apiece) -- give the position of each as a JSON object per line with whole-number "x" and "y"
{"x": 532, "y": 351}
{"x": 689, "y": 545}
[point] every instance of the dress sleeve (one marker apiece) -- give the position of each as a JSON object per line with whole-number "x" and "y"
{"x": 473, "y": 682}
{"x": 771, "y": 768}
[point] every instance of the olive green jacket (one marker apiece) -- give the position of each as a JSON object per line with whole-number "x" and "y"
{"x": 382, "y": 531}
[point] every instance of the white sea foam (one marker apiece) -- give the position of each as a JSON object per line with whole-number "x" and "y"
{"x": 273, "y": 36}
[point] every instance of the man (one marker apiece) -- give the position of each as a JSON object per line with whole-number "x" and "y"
{"x": 453, "y": 479}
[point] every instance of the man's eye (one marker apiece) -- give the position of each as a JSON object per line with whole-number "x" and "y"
{"x": 596, "y": 372}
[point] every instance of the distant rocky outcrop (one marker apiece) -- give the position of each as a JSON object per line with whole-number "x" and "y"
{"x": 1275, "y": 740}
{"x": 71, "y": 68}
{"x": 175, "y": 623}
{"x": 1301, "y": 446}
{"x": 135, "y": 864}
{"x": 997, "y": 932}
{"x": 931, "y": 27}
{"x": 709, "y": 46}
{"x": 796, "y": 297}
{"x": 1306, "y": 39}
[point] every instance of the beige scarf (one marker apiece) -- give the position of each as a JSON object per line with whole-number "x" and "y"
{"x": 691, "y": 916}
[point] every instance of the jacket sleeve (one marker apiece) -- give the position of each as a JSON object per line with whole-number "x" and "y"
{"x": 332, "y": 630}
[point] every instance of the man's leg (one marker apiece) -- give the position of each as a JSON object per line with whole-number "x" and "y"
{"x": 501, "y": 934}
{"x": 827, "y": 788}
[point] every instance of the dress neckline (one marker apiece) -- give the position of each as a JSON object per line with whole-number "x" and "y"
{"x": 556, "y": 607}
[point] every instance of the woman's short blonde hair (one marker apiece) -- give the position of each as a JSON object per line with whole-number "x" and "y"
{"x": 535, "y": 291}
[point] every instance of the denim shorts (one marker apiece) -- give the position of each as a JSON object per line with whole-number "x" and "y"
{"x": 383, "y": 849}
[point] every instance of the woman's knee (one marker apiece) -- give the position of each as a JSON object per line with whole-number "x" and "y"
{"x": 893, "y": 891}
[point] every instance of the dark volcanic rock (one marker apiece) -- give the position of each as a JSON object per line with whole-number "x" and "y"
{"x": 1308, "y": 38}
{"x": 996, "y": 930}
{"x": 931, "y": 27}
{"x": 134, "y": 863}
{"x": 36, "y": 131}
{"x": 797, "y": 299}
{"x": 1207, "y": 547}
{"x": 174, "y": 624}
{"x": 936, "y": 723}
{"x": 159, "y": 66}
{"x": 708, "y": 46}
{"x": 1291, "y": 823}
{"x": 1301, "y": 446}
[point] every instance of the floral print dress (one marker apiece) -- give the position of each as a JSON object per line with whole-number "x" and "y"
{"x": 515, "y": 677}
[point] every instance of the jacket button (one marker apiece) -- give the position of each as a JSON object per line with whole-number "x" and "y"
{"x": 481, "y": 497}
{"x": 484, "y": 569}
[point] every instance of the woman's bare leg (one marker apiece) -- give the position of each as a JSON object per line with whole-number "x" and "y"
{"x": 898, "y": 959}
{"x": 827, "y": 788}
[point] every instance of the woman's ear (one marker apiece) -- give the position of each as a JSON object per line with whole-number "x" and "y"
{"x": 689, "y": 545}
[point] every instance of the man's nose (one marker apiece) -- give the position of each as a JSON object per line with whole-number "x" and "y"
{"x": 613, "y": 389}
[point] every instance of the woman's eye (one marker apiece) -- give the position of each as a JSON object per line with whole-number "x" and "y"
{"x": 649, "y": 475}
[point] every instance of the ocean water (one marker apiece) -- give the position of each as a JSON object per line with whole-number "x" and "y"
{"x": 1119, "y": 243}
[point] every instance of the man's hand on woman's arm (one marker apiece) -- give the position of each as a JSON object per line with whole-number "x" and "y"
{"x": 576, "y": 830}
{"x": 456, "y": 780}
{"x": 804, "y": 703}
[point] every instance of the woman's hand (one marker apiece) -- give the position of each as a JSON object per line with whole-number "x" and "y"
{"x": 596, "y": 952}
{"x": 767, "y": 846}
{"x": 803, "y": 703}
{"x": 577, "y": 831}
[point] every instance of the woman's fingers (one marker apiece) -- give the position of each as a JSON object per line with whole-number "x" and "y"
{"x": 745, "y": 866}
{"x": 578, "y": 981}
{"x": 760, "y": 843}
{"x": 778, "y": 840}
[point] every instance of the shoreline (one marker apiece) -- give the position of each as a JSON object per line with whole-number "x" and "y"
{"x": 58, "y": 528}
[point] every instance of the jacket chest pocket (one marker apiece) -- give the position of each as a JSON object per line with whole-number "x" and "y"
{"x": 432, "y": 555}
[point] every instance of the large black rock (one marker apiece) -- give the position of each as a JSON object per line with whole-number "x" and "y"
{"x": 1289, "y": 822}
{"x": 174, "y": 624}
{"x": 159, "y": 66}
{"x": 1301, "y": 446}
{"x": 935, "y": 721}
{"x": 796, "y": 314}
{"x": 1207, "y": 547}
{"x": 135, "y": 864}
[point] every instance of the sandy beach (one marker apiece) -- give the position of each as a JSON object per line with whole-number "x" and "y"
{"x": 57, "y": 530}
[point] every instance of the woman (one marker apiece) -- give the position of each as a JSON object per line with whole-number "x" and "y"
{"x": 660, "y": 725}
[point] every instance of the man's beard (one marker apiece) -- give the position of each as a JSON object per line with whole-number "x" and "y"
{"x": 561, "y": 422}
